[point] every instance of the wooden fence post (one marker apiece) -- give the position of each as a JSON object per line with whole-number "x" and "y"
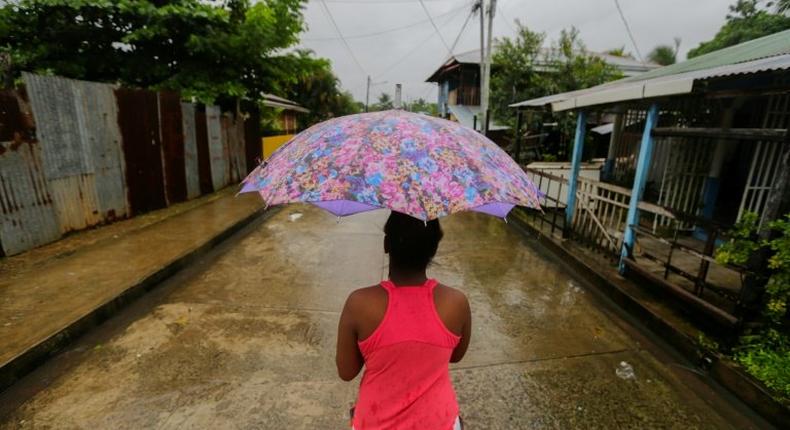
{"x": 578, "y": 147}
{"x": 640, "y": 180}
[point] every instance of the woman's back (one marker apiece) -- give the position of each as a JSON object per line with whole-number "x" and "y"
{"x": 405, "y": 332}
{"x": 407, "y": 346}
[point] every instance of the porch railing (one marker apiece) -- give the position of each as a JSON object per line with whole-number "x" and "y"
{"x": 551, "y": 220}
{"x": 693, "y": 259}
{"x": 599, "y": 224}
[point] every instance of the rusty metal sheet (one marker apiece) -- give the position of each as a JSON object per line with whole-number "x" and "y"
{"x": 67, "y": 163}
{"x": 27, "y": 214}
{"x": 55, "y": 113}
{"x": 239, "y": 156}
{"x": 172, "y": 135}
{"x": 252, "y": 135}
{"x": 97, "y": 112}
{"x": 226, "y": 122}
{"x": 75, "y": 201}
{"x": 234, "y": 147}
{"x": 204, "y": 156}
{"x": 190, "y": 150}
{"x": 217, "y": 148}
{"x": 138, "y": 120}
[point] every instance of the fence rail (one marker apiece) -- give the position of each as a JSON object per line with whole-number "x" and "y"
{"x": 555, "y": 190}
{"x": 599, "y": 222}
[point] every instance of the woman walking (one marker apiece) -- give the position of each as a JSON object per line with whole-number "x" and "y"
{"x": 405, "y": 331}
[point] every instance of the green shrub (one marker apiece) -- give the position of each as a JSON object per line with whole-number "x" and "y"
{"x": 769, "y": 365}
{"x": 765, "y": 352}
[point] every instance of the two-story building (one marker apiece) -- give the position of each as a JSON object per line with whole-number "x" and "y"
{"x": 459, "y": 84}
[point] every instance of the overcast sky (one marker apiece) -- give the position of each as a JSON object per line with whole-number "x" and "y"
{"x": 411, "y": 54}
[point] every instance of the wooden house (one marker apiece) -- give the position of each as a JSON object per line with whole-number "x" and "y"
{"x": 693, "y": 147}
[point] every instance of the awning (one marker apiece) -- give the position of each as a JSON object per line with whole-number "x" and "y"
{"x": 273, "y": 101}
{"x": 770, "y": 53}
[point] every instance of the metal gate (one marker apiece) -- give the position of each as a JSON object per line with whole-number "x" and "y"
{"x": 685, "y": 169}
{"x": 142, "y": 148}
{"x": 217, "y": 148}
{"x": 190, "y": 150}
{"x": 203, "y": 154}
{"x": 172, "y": 146}
{"x": 766, "y": 158}
{"x": 626, "y": 149}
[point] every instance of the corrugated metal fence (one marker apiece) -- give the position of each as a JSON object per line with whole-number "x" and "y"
{"x": 74, "y": 154}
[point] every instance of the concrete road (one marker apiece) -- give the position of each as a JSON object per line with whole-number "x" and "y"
{"x": 246, "y": 340}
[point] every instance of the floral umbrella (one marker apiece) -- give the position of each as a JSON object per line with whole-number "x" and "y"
{"x": 415, "y": 164}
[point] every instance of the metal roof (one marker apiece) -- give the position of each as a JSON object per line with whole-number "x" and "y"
{"x": 628, "y": 66}
{"x": 274, "y": 101}
{"x": 768, "y": 53}
{"x": 466, "y": 116}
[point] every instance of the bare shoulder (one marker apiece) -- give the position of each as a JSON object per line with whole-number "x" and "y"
{"x": 362, "y": 298}
{"x": 450, "y": 295}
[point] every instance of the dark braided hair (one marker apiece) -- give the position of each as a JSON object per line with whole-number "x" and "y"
{"x": 410, "y": 242}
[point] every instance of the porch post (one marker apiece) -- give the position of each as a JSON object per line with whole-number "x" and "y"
{"x": 519, "y": 116}
{"x": 614, "y": 140}
{"x": 724, "y": 148}
{"x": 578, "y": 147}
{"x": 640, "y": 180}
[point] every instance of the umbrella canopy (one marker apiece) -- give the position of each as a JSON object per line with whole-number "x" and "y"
{"x": 415, "y": 164}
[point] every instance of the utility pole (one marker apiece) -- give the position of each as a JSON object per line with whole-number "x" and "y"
{"x": 487, "y": 81}
{"x": 479, "y": 6}
{"x": 398, "y": 96}
{"x": 367, "y": 95}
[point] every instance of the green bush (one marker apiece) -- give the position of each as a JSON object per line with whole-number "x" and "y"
{"x": 765, "y": 351}
{"x": 769, "y": 365}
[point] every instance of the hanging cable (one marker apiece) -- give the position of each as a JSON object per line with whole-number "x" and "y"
{"x": 628, "y": 30}
{"x": 502, "y": 15}
{"x": 461, "y": 32}
{"x": 419, "y": 45}
{"x": 378, "y": 2}
{"x": 391, "y": 30}
{"x": 339, "y": 33}
{"x": 450, "y": 51}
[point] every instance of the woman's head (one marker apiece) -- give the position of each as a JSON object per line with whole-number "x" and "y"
{"x": 410, "y": 242}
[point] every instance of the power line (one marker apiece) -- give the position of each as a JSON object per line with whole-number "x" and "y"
{"x": 460, "y": 32}
{"x": 407, "y": 55}
{"x": 502, "y": 14}
{"x": 339, "y": 33}
{"x": 419, "y": 45}
{"x": 628, "y": 30}
{"x": 377, "y": 2}
{"x": 422, "y": 3}
{"x": 377, "y": 33}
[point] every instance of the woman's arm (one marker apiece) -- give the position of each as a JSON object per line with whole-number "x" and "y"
{"x": 466, "y": 333}
{"x": 348, "y": 357}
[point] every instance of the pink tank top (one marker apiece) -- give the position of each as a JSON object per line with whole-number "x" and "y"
{"x": 406, "y": 384}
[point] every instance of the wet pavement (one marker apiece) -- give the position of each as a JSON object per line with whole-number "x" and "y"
{"x": 43, "y": 297}
{"x": 245, "y": 339}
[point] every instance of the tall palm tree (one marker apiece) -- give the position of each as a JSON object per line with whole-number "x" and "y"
{"x": 782, "y": 6}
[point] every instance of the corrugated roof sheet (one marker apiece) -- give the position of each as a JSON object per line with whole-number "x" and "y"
{"x": 768, "y": 46}
{"x": 760, "y": 55}
{"x": 274, "y": 101}
{"x": 629, "y": 66}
